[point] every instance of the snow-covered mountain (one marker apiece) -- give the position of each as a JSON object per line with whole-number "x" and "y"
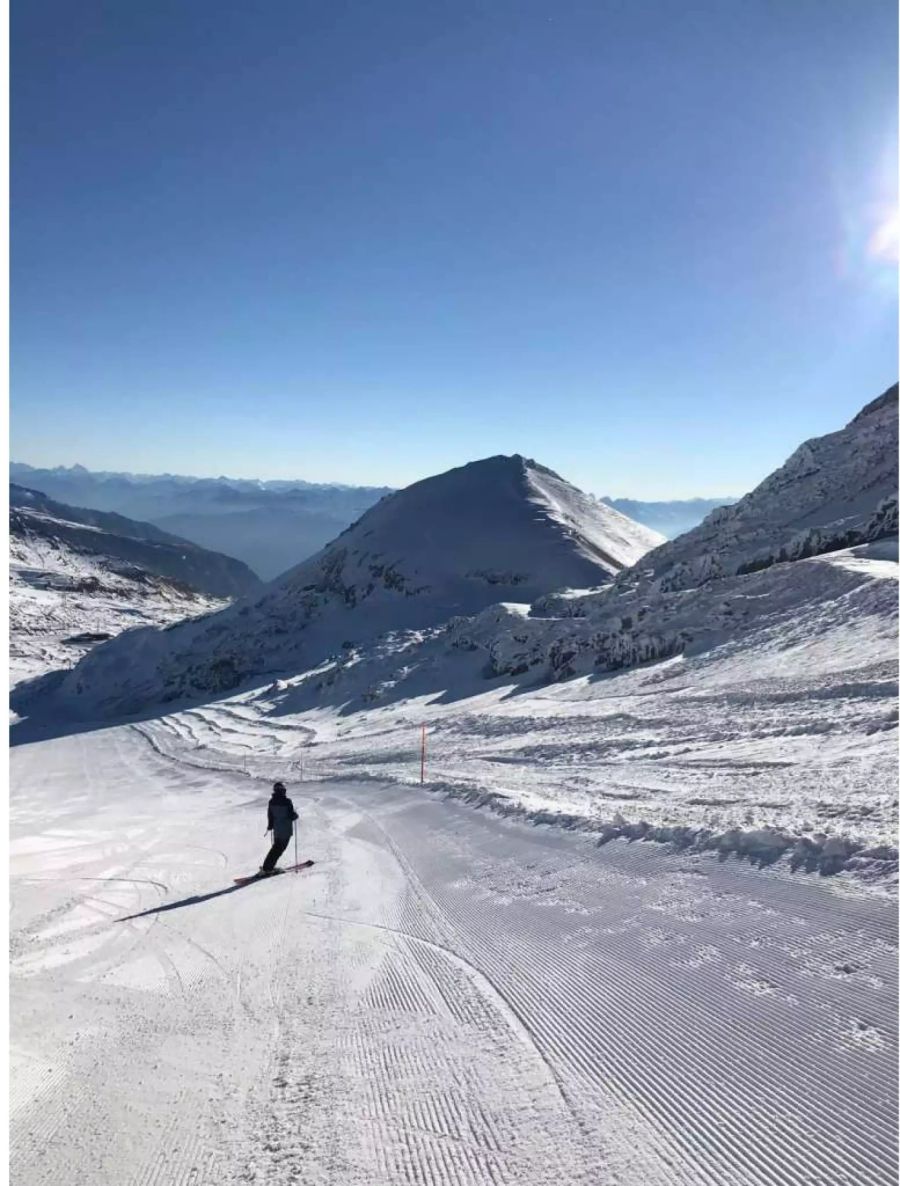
{"x": 63, "y": 602}
{"x": 79, "y": 577}
{"x": 269, "y": 525}
{"x": 499, "y": 529}
{"x": 834, "y": 492}
{"x": 114, "y": 540}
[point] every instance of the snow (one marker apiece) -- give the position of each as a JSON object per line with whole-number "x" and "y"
{"x": 788, "y": 725}
{"x": 58, "y": 594}
{"x": 447, "y": 997}
{"x": 600, "y": 531}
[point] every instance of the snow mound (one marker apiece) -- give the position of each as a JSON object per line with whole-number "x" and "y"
{"x": 500, "y": 530}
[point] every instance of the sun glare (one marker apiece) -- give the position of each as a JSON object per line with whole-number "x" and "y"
{"x": 884, "y": 242}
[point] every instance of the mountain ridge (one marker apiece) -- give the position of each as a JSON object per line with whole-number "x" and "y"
{"x": 834, "y": 492}
{"x": 106, "y": 534}
{"x": 268, "y": 525}
{"x": 496, "y": 529}
{"x": 273, "y": 523}
{"x": 74, "y": 583}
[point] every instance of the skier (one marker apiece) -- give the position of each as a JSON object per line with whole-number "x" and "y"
{"x": 281, "y": 825}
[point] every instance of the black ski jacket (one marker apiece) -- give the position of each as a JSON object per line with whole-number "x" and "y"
{"x": 281, "y": 817}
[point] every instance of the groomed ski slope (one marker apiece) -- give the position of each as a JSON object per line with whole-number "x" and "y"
{"x": 782, "y": 736}
{"x": 446, "y": 997}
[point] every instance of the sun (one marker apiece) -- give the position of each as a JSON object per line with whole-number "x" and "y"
{"x": 884, "y": 242}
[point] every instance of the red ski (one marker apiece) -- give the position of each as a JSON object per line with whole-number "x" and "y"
{"x": 263, "y": 876}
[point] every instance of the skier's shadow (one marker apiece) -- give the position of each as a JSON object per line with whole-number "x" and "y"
{"x": 193, "y": 901}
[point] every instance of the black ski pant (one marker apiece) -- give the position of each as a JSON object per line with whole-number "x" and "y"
{"x": 279, "y": 844}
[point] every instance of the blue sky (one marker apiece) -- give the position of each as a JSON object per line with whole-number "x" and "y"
{"x": 649, "y": 244}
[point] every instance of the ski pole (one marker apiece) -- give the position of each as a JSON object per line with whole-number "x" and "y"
{"x": 296, "y": 857}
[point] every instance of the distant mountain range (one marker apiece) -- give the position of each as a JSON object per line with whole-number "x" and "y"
{"x": 110, "y": 480}
{"x": 670, "y": 518}
{"x": 269, "y": 525}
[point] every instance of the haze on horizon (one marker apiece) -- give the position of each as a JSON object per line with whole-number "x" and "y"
{"x": 166, "y": 473}
{"x": 650, "y": 247}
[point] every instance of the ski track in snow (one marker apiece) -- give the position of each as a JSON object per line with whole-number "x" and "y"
{"x": 447, "y": 997}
